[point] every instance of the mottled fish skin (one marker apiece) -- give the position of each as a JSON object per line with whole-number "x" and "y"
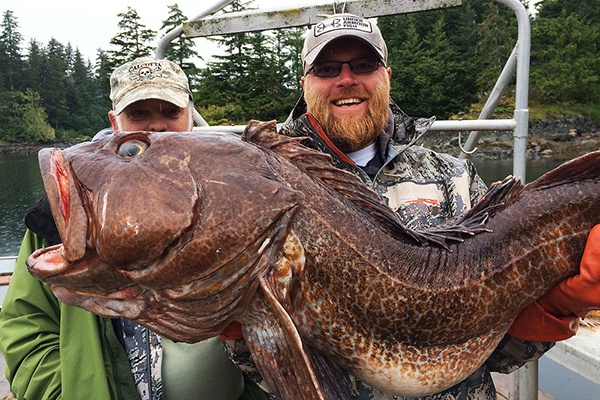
{"x": 318, "y": 270}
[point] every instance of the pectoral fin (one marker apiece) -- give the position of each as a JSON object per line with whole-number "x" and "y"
{"x": 286, "y": 364}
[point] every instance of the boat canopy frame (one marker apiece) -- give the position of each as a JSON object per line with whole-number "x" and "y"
{"x": 210, "y": 23}
{"x": 523, "y": 383}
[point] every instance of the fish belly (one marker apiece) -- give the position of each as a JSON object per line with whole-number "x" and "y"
{"x": 412, "y": 371}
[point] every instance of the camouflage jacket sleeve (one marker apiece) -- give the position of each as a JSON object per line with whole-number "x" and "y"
{"x": 238, "y": 352}
{"x": 512, "y": 353}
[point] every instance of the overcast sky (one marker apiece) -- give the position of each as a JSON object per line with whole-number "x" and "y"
{"x": 89, "y": 25}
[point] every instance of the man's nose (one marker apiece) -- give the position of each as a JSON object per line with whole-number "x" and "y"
{"x": 347, "y": 76}
{"x": 157, "y": 124}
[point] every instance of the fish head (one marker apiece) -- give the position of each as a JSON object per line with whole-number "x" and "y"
{"x": 161, "y": 210}
{"x": 112, "y": 206}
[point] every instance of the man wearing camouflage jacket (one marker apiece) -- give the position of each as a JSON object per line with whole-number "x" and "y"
{"x": 346, "y": 112}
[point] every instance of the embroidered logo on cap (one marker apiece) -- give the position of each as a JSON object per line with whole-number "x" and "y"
{"x": 346, "y": 22}
{"x": 145, "y": 71}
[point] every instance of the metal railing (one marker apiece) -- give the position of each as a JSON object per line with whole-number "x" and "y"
{"x": 208, "y": 23}
{"x": 524, "y": 384}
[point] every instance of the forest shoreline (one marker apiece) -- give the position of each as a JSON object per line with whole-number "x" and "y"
{"x": 565, "y": 136}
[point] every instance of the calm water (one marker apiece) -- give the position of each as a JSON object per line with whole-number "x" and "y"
{"x": 21, "y": 187}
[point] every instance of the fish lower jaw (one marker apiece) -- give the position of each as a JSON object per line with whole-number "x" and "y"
{"x": 47, "y": 262}
{"x": 125, "y": 293}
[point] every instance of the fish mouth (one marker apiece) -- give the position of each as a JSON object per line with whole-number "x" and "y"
{"x": 46, "y": 262}
{"x": 70, "y": 264}
{"x": 65, "y": 203}
{"x": 86, "y": 275}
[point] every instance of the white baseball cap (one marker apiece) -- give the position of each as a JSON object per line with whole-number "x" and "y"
{"x": 148, "y": 78}
{"x": 338, "y": 26}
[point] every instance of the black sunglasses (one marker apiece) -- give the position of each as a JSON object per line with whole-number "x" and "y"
{"x": 331, "y": 69}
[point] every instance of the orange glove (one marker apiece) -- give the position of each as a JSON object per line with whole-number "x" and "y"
{"x": 555, "y": 315}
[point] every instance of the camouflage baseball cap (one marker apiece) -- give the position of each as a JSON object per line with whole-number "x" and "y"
{"x": 338, "y": 26}
{"x": 148, "y": 78}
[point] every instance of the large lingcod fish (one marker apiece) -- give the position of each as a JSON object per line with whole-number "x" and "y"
{"x": 186, "y": 233}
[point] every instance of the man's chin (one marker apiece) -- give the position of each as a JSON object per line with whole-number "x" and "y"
{"x": 358, "y": 111}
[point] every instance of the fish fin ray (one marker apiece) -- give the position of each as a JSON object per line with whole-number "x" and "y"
{"x": 320, "y": 168}
{"x": 335, "y": 379}
{"x": 352, "y": 188}
{"x": 475, "y": 219}
{"x": 286, "y": 364}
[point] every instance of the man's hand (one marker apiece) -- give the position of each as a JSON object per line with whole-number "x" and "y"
{"x": 555, "y": 315}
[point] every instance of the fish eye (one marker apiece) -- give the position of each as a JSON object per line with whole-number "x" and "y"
{"x": 132, "y": 148}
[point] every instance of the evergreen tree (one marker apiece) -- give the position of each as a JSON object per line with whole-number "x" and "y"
{"x": 131, "y": 40}
{"x": 22, "y": 117}
{"x": 34, "y": 122}
{"x": 498, "y": 36}
{"x": 69, "y": 59}
{"x": 288, "y": 64}
{"x": 261, "y": 98}
{"x": 587, "y": 10}
{"x": 11, "y": 63}
{"x": 54, "y": 86}
{"x": 10, "y": 115}
{"x": 34, "y": 66}
{"x": 433, "y": 59}
{"x": 226, "y": 81}
{"x": 258, "y": 77}
{"x": 181, "y": 49}
{"x": 565, "y": 62}
{"x": 88, "y": 110}
{"x": 102, "y": 69}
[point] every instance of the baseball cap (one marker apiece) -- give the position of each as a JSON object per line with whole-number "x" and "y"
{"x": 148, "y": 78}
{"x": 338, "y": 26}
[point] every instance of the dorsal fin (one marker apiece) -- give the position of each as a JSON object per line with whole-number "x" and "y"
{"x": 352, "y": 188}
{"x": 501, "y": 194}
{"x": 475, "y": 219}
{"x": 320, "y": 168}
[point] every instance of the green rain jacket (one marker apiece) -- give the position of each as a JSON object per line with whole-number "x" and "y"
{"x": 87, "y": 362}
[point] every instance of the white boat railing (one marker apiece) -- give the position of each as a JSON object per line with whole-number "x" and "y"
{"x": 208, "y": 23}
{"x": 7, "y": 266}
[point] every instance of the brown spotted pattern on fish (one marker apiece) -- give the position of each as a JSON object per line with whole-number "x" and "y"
{"x": 319, "y": 271}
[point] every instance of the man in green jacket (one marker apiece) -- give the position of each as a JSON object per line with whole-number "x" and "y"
{"x": 55, "y": 351}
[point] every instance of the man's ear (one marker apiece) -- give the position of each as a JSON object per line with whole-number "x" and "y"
{"x": 302, "y": 81}
{"x": 113, "y": 121}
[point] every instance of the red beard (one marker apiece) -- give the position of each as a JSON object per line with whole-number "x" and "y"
{"x": 351, "y": 133}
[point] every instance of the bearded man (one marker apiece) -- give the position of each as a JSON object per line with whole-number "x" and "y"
{"x": 347, "y": 113}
